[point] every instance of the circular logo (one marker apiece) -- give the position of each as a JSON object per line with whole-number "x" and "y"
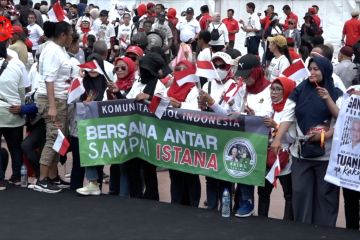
{"x": 239, "y": 157}
{"x": 5, "y": 29}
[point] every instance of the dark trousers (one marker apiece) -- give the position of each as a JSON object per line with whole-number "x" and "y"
{"x": 77, "y": 172}
{"x": 114, "y": 184}
{"x": 185, "y": 188}
{"x": 231, "y": 44}
{"x": 33, "y": 145}
{"x": 142, "y": 174}
{"x": 351, "y": 204}
{"x": 214, "y": 191}
{"x": 13, "y": 138}
{"x": 253, "y": 45}
{"x": 264, "y": 197}
{"x": 315, "y": 201}
{"x": 4, "y": 160}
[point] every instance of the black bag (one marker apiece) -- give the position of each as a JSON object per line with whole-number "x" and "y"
{"x": 215, "y": 35}
{"x": 311, "y": 150}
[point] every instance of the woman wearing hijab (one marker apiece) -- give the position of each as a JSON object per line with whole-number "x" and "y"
{"x": 257, "y": 101}
{"x": 185, "y": 188}
{"x": 312, "y": 106}
{"x": 125, "y": 73}
{"x": 95, "y": 85}
{"x": 280, "y": 90}
{"x": 143, "y": 89}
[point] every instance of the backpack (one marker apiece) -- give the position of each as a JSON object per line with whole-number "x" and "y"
{"x": 215, "y": 35}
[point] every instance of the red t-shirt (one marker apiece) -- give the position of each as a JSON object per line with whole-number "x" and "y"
{"x": 352, "y": 31}
{"x": 231, "y": 25}
{"x": 203, "y": 21}
{"x": 265, "y": 22}
{"x": 288, "y": 17}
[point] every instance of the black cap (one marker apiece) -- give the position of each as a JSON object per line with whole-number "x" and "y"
{"x": 104, "y": 13}
{"x": 189, "y": 10}
{"x": 246, "y": 64}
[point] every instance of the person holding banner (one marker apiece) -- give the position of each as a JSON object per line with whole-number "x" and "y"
{"x": 95, "y": 85}
{"x": 216, "y": 96}
{"x": 257, "y": 101}
{"x": 280, "y": 90}
{"x": 185, "y": 188}
{"x": 312, "y": 106}
{"x": 55, "y": 70}
{"x": 143, "y": 89}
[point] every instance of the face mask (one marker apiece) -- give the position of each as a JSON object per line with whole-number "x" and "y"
{"x": 222, "y": 73}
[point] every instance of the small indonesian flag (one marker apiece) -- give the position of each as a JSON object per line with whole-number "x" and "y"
{"x": 158, "y": 105}
{"x": 91, "y": 66}
{"x": 56, "y": 13}
{"x": 186, "y": 76}
{"x": 61, "y": 144}
{"x": 206, "y": 69}
{"x": 274, "y": 172}
{"x": 296, "y": 71}
{"x": 75, "y": 91}
{"x": 232, "y": 90}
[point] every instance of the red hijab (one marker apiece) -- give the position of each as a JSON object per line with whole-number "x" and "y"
{"x": 180, "y": 92}
{"x": 260, "y": 81}
{"x": 126, "y": 82}
{"x": 288, "y": 85}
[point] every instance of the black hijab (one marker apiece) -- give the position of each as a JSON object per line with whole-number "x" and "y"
{"x": 95, "y": 85}
{"x": 310, "y": 109}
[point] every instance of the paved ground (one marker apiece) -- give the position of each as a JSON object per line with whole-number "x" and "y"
{"x": 276, "y": 207}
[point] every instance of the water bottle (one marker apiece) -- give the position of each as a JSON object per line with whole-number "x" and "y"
{"x": 225, "y": 210}
{"x": 24, "y": 176}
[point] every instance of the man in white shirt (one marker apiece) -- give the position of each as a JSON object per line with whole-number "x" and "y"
{"x": 218, "y": 44}
{"x": 205, "y": 53}
{"x": 101, "y": 49}
{"x": 34, "y": 31}
{"x": 124, "y": 33}
{"x": 164, "y": 30}
{"x": 105, "y": 31}
{"x": 251, "y": 28}
{"x": 189, "y": 28}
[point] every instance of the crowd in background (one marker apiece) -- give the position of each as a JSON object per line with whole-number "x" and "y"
{"x": 138, "y": 51}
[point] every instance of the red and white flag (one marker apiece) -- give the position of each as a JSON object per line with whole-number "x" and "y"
{"x": 75, "y": 91}
{"x": 61, "y": 144}
{"x": 158, "y": 105}
{"x": 206, "y": 69}
{"x": 274, "y": 172}
{"x": 186, "y": 76}
{"x": 231, "y": 91}
{"x": 296, "y": 71}
{"x": 91, "y": 66}
{"x": 56, "y": 13}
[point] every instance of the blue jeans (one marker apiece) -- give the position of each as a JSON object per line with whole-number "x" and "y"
{"x": 95, "y": 173}
{"x": 13, "y": 138}
{"x": 246, "y": 192}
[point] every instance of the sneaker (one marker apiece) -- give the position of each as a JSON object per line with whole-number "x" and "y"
{"x": 60, "y": 183}
{"x": 90, "y": 189}
{"x": 15, "y": 181}
{"x": 68, "y": 175}
{"x": 46, "y": 186}
{"x": 246, "y": 209}
{"x": 2, "y": 185}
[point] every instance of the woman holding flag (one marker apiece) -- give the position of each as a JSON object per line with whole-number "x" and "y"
{"x": 280, "y": 90}
{"x": 312, "y": 106}
{"x": 95, "y": 82}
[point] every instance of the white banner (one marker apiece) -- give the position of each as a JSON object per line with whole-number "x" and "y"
{"x": 344, "y": 163}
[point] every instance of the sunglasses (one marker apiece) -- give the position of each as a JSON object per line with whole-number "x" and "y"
{"x": 220, "y": 66}
{"x": 122, "y": 68}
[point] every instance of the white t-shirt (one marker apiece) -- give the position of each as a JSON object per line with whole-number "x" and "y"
{"x": 276, "y": 67}
{"x": 223, "y": 32}
{"x": 22, "y": 66}
{"x": 34, "y": 76}
{"x": 123, "y": 36}
{"x": 35, "y": 32}
{"x": 105, "y": 32}
{"x": 55, "y": 66}
{"x": 261, "y": 102}
{"x": 204, "y": 55}
{"x": 188, "y": 29}
{"x": 253, "y": 22}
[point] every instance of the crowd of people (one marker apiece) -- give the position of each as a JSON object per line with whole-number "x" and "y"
{"x": 139, "y": 51}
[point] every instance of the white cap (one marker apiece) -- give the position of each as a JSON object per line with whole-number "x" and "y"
{"x": 224, "y": 56}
